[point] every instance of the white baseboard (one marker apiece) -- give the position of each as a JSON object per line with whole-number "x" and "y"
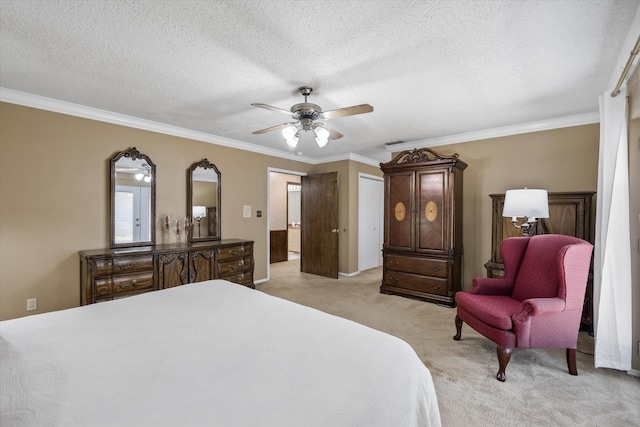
{"x": 634, "y": 372}
{"x": 348, "y": 274}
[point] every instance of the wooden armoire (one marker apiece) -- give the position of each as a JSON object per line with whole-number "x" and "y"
{"x": 423, "y": 226}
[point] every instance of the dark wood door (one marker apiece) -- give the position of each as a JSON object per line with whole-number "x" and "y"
{"x": 279, "y": 246}
{"x": 319, "y": 229}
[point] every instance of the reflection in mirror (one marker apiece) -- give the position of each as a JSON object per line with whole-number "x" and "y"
{"x": 203, "y": 201}
{"x": 133, "y": 195}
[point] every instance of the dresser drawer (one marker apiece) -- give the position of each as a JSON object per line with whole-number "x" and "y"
{"x": 124, "y": 284}
{"x": 427, "y": 267}
{"x": 235, "y": 266}
{"x": 431, "y": 285}
{"x": 231, "y": 252}
{"x": 242, "y": 279}
{"x": 123, "y": 265}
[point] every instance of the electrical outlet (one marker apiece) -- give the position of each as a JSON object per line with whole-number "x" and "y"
{"x": 32, "y": 304}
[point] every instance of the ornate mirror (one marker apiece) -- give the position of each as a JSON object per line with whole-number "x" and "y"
{"x": 133, "y": 199}
{"x": 203, "y": 201}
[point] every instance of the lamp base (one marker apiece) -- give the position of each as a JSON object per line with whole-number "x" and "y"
{"x": 528, "y": 228}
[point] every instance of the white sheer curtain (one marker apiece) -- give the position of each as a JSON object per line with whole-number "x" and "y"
{"x": 612, "y": 256}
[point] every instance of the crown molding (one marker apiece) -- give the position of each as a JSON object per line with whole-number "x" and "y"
{"x": 49, "y": 104}
{"x": 562, "y": 122}
{"x": 347, "y": 156}
{"x": 43, "y": 103}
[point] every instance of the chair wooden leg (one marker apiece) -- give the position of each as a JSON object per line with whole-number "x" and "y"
{"x": 571, "y": 361}
{"x": 458, "y": 328}
{"x": 504, "y": 355}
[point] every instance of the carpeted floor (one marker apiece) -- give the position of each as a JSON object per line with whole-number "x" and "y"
{"x": 538, "y": 392}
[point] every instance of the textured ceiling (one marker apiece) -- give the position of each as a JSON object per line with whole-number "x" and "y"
{"x": 429, "y": 68}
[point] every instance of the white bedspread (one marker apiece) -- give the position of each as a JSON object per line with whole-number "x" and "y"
{"x": 208, "y": 354}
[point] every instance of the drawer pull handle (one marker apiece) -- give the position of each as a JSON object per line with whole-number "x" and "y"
{"x": 127, "y": 266}
{"x": 237, "y": 252}
{"x": 435, "y": 288}
{"x": 435, "y": 268}
{"x": 235, "y": 267}
{"x": 126, "y": 286}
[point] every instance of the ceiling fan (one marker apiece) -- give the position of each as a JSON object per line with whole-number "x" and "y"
{"x": 306, "y": 116}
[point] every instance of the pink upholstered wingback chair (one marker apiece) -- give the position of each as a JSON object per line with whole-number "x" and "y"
{"x": 538, "y": 302}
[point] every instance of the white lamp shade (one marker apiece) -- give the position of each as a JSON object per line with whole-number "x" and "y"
{"x": 529, "y": 203}
{"x": 321, "y": 142}
{"x": 322, "y": 136}
{"x": 292, "y": 142}
{"x": 290, "y": 134}
{"x": 199, "y": 211}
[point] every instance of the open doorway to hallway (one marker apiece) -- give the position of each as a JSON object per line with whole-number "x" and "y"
{"x": 284, "y": 215}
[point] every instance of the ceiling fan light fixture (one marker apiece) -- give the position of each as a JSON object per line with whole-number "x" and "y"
{"x": 322, "y": 136}
{"x": 305, "y": 115}
{"x": 290, "y": 134}
{"x": 321, "y": 142}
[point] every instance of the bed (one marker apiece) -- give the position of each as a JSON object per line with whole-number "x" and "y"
{"x": 211, "y": 353}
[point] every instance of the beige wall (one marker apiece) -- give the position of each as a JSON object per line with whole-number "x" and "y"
{"x": 555, "y": 160}
{"x": 61, "y": 205}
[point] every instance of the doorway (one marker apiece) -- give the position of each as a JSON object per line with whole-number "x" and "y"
{"x": 321, "y": 252}
{"x": 282, "y": 214}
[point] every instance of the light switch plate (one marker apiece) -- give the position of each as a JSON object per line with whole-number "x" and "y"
{"x": 246, "y": 211}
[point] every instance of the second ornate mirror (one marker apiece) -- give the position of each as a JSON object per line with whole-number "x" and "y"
{"x": 203, "y": 201}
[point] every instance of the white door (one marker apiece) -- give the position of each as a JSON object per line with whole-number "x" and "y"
{"x": 370, "y": 221}
{"x": 132, "y": 214}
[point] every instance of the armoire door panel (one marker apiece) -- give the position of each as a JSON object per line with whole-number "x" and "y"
{"x": 432, "y": 214}
{"x": 398, "y": 213}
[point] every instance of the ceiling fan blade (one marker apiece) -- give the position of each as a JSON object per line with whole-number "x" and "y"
{"x": 272, "y": 108}
{"x": 276, "y": 127}
{"x": 347, "y": 111}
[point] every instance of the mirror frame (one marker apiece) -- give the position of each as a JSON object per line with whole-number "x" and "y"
{"x": 204, "y": 163}
{"x": 134, "y": 154}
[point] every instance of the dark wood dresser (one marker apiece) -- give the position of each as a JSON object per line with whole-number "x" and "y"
{"x": 569, "y": 213}
{"x": 423, "y": 226}
{"x": 107, "y": 274}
